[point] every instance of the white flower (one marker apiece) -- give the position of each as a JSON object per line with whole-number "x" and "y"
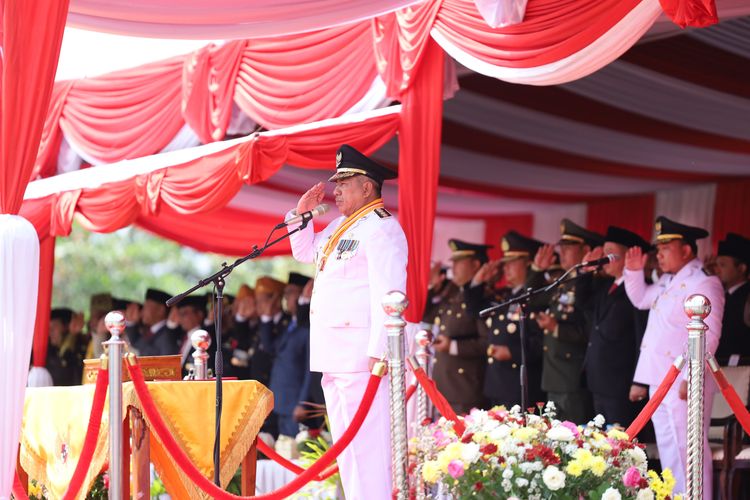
{"x": 560, "y": 433}
{"x": 507, "y": 473}
{"x": 639, "y": 458}
{"x": 599, "y": 420}
{"x": 470, "y": 453}
{"x": 611, "y": 494}
{"x": 506, "y": 485}
{"x": 499, "y": 433}
{"x": 553, "y": 478}
{"x": 522, "y": 482}
{"x": 645, "y": 494}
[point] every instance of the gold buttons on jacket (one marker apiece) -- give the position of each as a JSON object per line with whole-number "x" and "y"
{"x": 496, "y": 331}
{"x": 501, "y": 317}
{"x": 490, "y": 361}
{"x": 458, "y": 316}
{"x": 545, "y": 348}
{"x": 567, "y": 355}
{"x": 512, "y": 328}
{"x": 461, "y": 371}
{"x": 514, "y": 365}
{"x": 442, "y": 328}
{"x": 463, "y": 305}
{"x": 449, "y": 312}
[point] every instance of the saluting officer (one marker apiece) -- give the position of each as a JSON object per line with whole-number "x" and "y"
{"x": 460, "y": 351}
{"x": 666, "y": 336}
{"x": 565, "y": 328}
{"x": 502, "y": 329}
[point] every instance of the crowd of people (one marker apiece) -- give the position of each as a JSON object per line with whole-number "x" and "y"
{"x": 601, "y": 342}
{"x": 265, "y": 337}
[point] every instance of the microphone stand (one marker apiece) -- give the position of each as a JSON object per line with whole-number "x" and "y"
{"x": 218, "y": 279}
{"x": 523, "y": 302}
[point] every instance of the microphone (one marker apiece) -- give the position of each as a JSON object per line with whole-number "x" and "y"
{"x": 305, "y": 217}
{"x": 599, "y": 262}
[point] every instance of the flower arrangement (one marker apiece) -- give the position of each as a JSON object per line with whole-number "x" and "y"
{"x": 509, "y": 455}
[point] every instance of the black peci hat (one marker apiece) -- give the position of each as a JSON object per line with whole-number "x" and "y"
{"x": 350, "y": 162}
{"x": 198, "y": 302}
{"x": 298, "y": 279}
{"x": 157, "y": 295}
{"x": 626, "y": 238}
{"x": 735, "y": 246}
{"x": 62, "y": 314}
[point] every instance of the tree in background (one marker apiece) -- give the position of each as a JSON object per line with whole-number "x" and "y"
{"x": 127, "y": 262}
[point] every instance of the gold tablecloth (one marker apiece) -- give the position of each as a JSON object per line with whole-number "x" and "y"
{"x": 55, "y": 421}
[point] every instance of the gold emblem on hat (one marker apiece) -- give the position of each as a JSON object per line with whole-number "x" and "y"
{"x": 562, "y": 227}
{"x": 658, "y": 226}
{"x": 453, "y": 245}
{"x": 339, "y": 157}
{"x": 505, "y": 245}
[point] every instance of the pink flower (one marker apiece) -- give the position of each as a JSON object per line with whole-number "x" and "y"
{"x": 631, "y": 478}
{"x": 456, "y": 469}
{"x": 573, "y": 427}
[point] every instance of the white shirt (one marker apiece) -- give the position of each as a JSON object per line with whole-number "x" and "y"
{"x": 666, "y": 332}
{"x": 346, "y": 312}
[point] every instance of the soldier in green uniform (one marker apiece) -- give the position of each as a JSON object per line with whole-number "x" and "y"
{"x": 565, "y": 328}
{"x": 502, "y": 379}
{"x": 460, "y": 351}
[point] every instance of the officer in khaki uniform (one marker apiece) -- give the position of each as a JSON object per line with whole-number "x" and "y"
{"x": 502, "y": 330}
{"x": 460, "y": 351}
{"x": 565, "y": 329}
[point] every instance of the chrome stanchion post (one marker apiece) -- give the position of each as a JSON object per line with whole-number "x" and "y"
{"x": 697, "y": 307}
{"x": 424, "y": 351}
{"x": 394, "y": 304}
{"x": 115, "y": 323}
{"x": 201, "y": 341}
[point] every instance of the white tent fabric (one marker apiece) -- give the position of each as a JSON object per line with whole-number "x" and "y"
{"x": 19, "y": 279}
{"x": 634, "y": 88}
{"x": 227, "y": 19}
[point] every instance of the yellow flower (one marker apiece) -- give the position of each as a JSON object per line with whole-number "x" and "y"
{"x": 430, "y": 471}
{"x": 598, "y": 436}
{"x": 525, "y": 434}
{"x": 574, "y": 468}
{"x": 598, "y": 466}
{"x": 480, "y": 437}
{"x": 618, "y": 434}
{"x": 584, "y": 457}
{"x": 35, "y": 490}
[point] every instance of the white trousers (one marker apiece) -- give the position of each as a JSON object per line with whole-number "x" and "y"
{"x": 365, "y": 465}
{"x": 670, "y": 425}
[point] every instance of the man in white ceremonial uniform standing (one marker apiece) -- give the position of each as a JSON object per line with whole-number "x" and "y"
{"x": 359, "y": 258}
{"x": 666, "y": 338}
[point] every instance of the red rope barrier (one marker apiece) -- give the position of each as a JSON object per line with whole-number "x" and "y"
{"x": 648, "y": 411}
{"x": 411, "y": 390}
{"x": 92, "y": 435}
{"x": 19, "y": 493}
{"x": 437, "y": 398}
{"x": 182, "y": 460}
{"x": 292, "y": 467}
{"x": 289, "y": 465}
{"x": 731, "y": 396}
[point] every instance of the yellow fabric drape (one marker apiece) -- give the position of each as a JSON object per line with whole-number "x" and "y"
{"x": 54, "y": 426}
{"x": 188, "y": 410}
{"x": 56, "y": 418}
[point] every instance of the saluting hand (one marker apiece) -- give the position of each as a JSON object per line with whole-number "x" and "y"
{"x": 308, "y": 290}
{"x": 544, "y": 257}
{"x": 546, "y": 321}
{"x": 594, "y": 254}
{"x": 486, "y": 272}
{"x": 311, "y": 198}
{"x": 635, "y": 259}
{"x": 133, "y": 313}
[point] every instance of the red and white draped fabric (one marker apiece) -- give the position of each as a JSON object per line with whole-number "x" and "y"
{"x": 31, "y": 37}
{"x": 222, "y": 19}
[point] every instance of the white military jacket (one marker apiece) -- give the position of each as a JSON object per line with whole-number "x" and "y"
{"x": 666, "y": 332}
{"x": 346, "y": 315}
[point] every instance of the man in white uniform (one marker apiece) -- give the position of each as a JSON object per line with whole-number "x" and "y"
{"x": 666, "y": 337}
{"x": 359, "y": 257}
